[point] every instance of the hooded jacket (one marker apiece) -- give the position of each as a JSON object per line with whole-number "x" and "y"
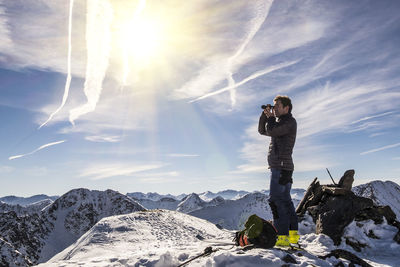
{"x": 283, "y": 136}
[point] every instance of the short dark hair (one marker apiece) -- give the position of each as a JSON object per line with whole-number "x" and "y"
{"x": 285, "y": 100}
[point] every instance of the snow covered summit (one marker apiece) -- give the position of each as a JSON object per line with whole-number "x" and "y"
{"x": 40, "y": 236}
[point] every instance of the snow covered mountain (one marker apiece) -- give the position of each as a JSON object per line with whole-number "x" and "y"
{"x": 39, "y": 236}
{"x": 26, "y": 201}
{"x": 151, "y": 196}
{"x": 169, "y": 238}
{"x": 382, "y": 193}
{"x": 226, "y": 194}
{"x": 232, "y": 214}
{"x": 165, "y": 203}
{"x": 23, "y": 210}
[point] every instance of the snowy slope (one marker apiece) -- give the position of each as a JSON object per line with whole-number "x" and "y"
{"x": 382, "y": 193}
{"x": 168, "y": 238}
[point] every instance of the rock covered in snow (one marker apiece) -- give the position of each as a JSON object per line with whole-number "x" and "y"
{"x": 9, "y": 256}
{"x": 333, "y": 208}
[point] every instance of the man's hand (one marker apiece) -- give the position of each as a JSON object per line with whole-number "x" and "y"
{"x": 268, "y": 112}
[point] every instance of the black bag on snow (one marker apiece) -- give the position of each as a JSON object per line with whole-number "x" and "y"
{"x": 258, "y": 232}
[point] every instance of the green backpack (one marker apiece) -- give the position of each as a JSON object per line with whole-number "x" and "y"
{"x": 258, "y": 233}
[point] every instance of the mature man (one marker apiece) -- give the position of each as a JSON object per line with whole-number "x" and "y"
{"x": 280, "y": 125}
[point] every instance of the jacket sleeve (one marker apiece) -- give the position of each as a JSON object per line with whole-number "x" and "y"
{"x": 278, "y": 129}
{"x": 261, "y": 124}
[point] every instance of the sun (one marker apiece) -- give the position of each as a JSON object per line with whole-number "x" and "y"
{"x": 142, "y": 38}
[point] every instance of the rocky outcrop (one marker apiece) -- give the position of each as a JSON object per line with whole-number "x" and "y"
{"x": 333, "y": 207}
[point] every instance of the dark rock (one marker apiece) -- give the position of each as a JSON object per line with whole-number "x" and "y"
{"x": 355, "y": 245}
{"x": 397, "y": 237}
{"x": 332, "y": 220}
{"x": 289, "y": 259}
{"x": 333, "y": 207}
{"x": 344, "y": 254}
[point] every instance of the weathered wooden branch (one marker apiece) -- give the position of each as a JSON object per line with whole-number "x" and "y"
{"x": 309, "y": 191}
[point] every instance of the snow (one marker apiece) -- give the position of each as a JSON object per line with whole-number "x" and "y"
{"x": 168, "y": 238}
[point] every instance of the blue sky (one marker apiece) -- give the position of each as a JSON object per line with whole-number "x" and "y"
{"x": 165, "y": 96}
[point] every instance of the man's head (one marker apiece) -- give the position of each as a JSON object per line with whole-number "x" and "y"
{"x": 282, "y": 105}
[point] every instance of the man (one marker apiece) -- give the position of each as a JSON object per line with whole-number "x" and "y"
{"x": 280, "y": 125}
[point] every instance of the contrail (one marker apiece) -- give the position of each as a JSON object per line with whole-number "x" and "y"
{"x": 372, "y": 117}
{"x": 141, "y": 6}
{"x": 98, "y": 43}
{"x": 379, "y": 149}
{"x": 251, "y": 77}
{"x": 68, "y": 81}
{"x": 36, "y": 150}
{"x": 262, "y": 13}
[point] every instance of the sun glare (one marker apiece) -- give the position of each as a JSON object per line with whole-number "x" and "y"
{"x": 141, "y": 42}
{"x": 142, "y": 38}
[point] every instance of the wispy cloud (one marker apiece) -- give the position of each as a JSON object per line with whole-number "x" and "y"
{"x": 372, "y": 117}
{"x": 380, "y": 149}
{"x": 36, "y": 150}
{"x": 182, "y": 155}
{"x": 5, "y": 41}
{"x": 251, "y": 77}
{"x": 262, "y": 10}
{"x": 98, "y": 43}
{"x": 6, "y": 169}
{"x": 104, "y": 138}
{"x": 103, "y": 171}
{"x": 255, "y": 149}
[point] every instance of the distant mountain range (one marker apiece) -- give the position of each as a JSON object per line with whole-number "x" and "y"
{"x": 35, "y": 232}
{"x": 26, "y": 201}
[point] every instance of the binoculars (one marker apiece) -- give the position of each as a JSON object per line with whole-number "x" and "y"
{"x": 267, "y": 106}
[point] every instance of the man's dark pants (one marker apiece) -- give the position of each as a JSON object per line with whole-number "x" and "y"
{"x": 280, "y": 201}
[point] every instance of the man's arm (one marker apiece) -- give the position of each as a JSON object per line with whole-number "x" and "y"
{"x": 261, "y": 124}
{"x": 264, "y": 120}
{"x": 278, "y": 129}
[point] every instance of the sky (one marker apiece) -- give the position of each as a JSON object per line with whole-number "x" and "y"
{"x": 165, "y": 96}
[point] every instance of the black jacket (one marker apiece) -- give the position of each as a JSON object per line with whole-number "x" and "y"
{"x": 283, "y": 136}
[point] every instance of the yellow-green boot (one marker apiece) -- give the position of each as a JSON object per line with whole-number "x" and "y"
{"x": 294, "y": 237}
{"x": 282, "y": 241}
